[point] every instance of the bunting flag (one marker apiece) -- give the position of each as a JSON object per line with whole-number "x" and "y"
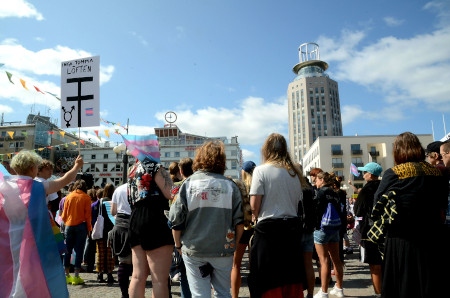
{"x": 107, "y": 133}
{"x": 23, "y": 84}
{"x": 62, "y": 132}
{"x": 37, "y": 89}
{"x": 143, "y": 146}
{"x": 28, "y": 244}
{"x": 11, "y": 134}
{"x": 9, "y": 77}
{"x": 354, "y": 170}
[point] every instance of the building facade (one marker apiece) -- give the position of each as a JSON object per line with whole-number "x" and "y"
{"x": 313, "y": 102}
{"x": 336, "y": 154}
{"x": 175, "y": 145}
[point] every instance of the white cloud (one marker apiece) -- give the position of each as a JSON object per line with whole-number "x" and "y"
{"x": 19, "y": 9}
{"x": 392, "y": 22}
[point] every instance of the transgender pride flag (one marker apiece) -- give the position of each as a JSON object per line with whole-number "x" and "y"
{"x": 30, "y": 263}
{"x": 143, "y": 146}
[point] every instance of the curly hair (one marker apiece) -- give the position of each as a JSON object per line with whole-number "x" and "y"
{"x": 81, "y": 185}
{"x": 211, "y": 157}
{"x": 46, "y": 164}
{"x": 24, "y": 160}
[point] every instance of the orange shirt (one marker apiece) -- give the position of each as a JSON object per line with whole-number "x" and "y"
{"x": 77, "y": 209}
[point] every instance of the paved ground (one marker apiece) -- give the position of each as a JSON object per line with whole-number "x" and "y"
{"x": 357, "y": 283}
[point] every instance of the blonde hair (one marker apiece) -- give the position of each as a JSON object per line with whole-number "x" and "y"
{"x": 24, "y": 160}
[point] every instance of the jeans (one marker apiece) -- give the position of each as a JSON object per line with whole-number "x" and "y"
{"x": 220, "y": 278}
{"x": 75, "y": 240}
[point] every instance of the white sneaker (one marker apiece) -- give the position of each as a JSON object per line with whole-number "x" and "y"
{"x": 321, "y": 294}
{"x": 337, "y": 292}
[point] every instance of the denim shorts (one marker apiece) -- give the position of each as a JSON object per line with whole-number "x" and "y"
{"x": 320, "y": 237}
{"x": 307, "y": 242}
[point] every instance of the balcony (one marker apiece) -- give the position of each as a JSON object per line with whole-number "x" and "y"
{"x": 337, "y": 165}
{"x": 374, "y": 153}
{"x": 357, "y": 152}
{"x": 337, "y": 152}
{"x": 359, "y": 164}
{"x": 359, "y": 178}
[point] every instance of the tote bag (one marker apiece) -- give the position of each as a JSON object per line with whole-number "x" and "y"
{"x": 331, "y": 221}
{"x": 97, "y": 230}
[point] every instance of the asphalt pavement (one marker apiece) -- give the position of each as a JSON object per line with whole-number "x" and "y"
{"x": 357, "y": 282}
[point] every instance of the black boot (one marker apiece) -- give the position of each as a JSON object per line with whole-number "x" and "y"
{"x": 110, "y": 279}
{"x": 100, "y": 277}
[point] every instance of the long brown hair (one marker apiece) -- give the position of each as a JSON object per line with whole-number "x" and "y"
{"x": 274, "y": 151}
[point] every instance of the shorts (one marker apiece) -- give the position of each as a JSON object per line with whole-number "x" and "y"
{"x": 307, "y": 242}
{"x": 148, "y": 226}
{"x": 320, "y": 237}
{"x": 370, "y": 253}
{"x": 246, "y": 235}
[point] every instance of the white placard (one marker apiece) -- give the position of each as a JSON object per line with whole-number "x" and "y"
{"x": 80, "y": 92}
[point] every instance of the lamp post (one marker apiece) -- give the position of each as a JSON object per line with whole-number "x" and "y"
{"x": 122, "y": 148}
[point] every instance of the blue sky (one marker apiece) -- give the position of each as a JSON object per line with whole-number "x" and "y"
{"x": 224, "y": 66}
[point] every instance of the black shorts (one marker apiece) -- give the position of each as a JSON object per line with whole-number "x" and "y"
{"x": 148, "y": 226}
{"x": 245, "y": 238}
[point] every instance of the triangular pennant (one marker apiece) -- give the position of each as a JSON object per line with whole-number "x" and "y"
{"x": 9, "y": 76}
{"x": 37, "y": 89}
{"x": 107, "y": 133}
{"x": 82, "y": 142}
{"x": 11, "y": 134}
{"x": 50, "y": 132}
{"x": 73, "y": 143}
{"x": 96, "y": 132}
{"x": 62, "y": 132}
{"x": 23, "y": 84}
{"x": 24, "y": 133}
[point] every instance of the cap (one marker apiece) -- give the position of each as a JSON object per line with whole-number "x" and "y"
{"x": 373, "y": 168}
{"x": 434, "y": 147}
{"x": 248, "y": 166}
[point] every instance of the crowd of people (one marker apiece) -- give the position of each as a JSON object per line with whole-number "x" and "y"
{"x": 192, "y": 224}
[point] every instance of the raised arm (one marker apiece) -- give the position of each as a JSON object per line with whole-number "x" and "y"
{"x": 57, "y": 184}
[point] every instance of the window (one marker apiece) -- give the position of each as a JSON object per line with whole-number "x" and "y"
{"x": 167, "y": 154}
{"x": 118, "y": 168}
{"x": 233, "y": 165}
{"x": 191, "y": 154}
{"x": 93, "y": 156}
{"x": 105, "y": 167}
{"x": 105, "y": 156}
{"x": 177, "y": 154}
{"x": 92, "y": 167}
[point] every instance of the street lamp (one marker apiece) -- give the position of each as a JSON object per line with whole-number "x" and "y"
{"x": 122, "y": 148}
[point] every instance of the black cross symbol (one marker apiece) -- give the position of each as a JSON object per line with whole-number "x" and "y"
{"x": 79, "y": 98}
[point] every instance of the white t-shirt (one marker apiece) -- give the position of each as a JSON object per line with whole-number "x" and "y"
{"x": 51, "y": 196}
{"x": 281, "y": 192}
{"x": 120, "y": 198}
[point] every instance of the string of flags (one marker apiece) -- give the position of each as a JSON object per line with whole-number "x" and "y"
{"x": 25, "y": 84}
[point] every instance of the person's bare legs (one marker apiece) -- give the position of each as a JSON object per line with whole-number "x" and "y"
{"x": 236, "y": 270}
{"x": 333, "y": 249}
{"x": 309, "y": 270}
{"x": 140, "y": 272}
{"x": 375, "y": 273}
{"x": 322, "y": 253}
{"x": 159, "y": 261}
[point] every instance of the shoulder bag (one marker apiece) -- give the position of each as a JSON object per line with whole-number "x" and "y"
{"x": 97, "y": 230}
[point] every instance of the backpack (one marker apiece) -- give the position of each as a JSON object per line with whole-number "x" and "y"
{"x": 331, "y": 220}
{"x": 141, "y": 182}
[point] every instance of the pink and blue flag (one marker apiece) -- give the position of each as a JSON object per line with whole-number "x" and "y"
{"x": 143, "y": 146}
{"x": 354, "y": 170}
{"x": 89, "y": 112}
{"x": 30, "y": 262}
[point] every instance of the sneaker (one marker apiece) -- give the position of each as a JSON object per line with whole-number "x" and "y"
{"x": 69, "y": 279}
{"x": 77, "y": 280}
{"x": 176, "y": 277}
{"x": 337, "y": 292}
{"x": 321, "y": 294}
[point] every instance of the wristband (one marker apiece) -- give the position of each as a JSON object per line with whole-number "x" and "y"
{"x": 179, "y": 247}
